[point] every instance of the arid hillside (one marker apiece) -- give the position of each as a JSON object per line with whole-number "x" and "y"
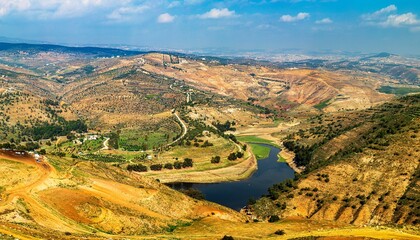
{"x": 361, "y": 167}
{"x": 63, "y": 198}
{"x": 79, "y": 199}
{"x": 130, "y": 88}
{"x": 276, "y": 88}
{"x": 123, "y": 96}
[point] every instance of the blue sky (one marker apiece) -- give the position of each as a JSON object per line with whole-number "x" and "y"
{"x": 270, "y": 25}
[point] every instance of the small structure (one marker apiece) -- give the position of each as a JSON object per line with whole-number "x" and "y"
{"x": 92, "y": 137}
{"x": 149, "y": 157}
{"x": 206, "y": 133}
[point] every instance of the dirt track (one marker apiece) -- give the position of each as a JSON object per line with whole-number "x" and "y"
{"x": 42, "y": 215}
{"x": 54, "y": 204}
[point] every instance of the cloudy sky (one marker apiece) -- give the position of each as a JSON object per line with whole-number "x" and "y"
{"x": 346, "y": 25}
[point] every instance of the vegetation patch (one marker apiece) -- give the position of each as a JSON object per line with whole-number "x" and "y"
{"x": 281, "y": 159}
{"x": 103, "y": 158}
{"x": 255, "y": 139}
{"x": 322, "y": 105}
{"x": 151, "y": 138}
{"x": 260, "y": 151}
{"x": 399, "y": 91}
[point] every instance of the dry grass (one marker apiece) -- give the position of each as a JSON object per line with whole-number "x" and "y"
{"x": 85, "y": 201}
{"x": 302, "y": 86}
{"x": 211, "y": 228}
{"x": 210, "y": 173}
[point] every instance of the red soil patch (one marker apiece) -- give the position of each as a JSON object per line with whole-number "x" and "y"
{"x": 66, "y": 201}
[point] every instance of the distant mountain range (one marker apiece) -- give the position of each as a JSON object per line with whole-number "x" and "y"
{"x": 92, "y": 51}
{"x": 405, "y": 70}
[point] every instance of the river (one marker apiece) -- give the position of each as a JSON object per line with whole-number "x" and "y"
{"x": 236, "y": 194}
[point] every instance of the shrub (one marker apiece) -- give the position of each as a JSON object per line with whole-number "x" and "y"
{"x": 156, "y": 167}
{"x": 280, "y": 232}
{"x": 239, "y": 155}
{"x": 168, "y": 166}
{"x": 194, "y": 193}
{"x": 215, "y": 159}
{"x": 251, "y": 201}
{"x": 137, "y": 168}
{"x": 177, "y": 165}
{"x": 227, "y": 237}
{"x": 232, "y": 157}
{"x": 274, "y": 218}
{"x": 207, "y": 144}
{"x": 188, "y": 162}
{"x": 283, "y": 206}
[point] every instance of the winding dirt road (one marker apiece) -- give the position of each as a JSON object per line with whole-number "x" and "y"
{"x": 40, "y": 214}
{"x": 184, "y": 130}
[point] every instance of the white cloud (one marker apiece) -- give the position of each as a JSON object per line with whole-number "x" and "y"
{"x": 218, "y": 13}
{"x": 52, "y": 8}
{"x": 381, "y": 13}
{"x": 406, "y": 19}
{"x": 165, "y": 18}
{"x": 385, "y": 10}
{"x": 324, "y": 21}
{"x": 300, "y": 16}
{"x": 7, "y": 6}
{"x": 384, "y": 18}
{"x": 69, "y": 8}
{"x": 124, "y": 13}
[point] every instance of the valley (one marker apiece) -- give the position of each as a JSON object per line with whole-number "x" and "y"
{"x": 91, "y": 136}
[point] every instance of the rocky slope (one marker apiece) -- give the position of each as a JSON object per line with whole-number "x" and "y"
{"x": 363, "y": 171}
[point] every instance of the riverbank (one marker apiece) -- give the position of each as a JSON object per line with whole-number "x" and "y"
{"x": 237, "y": 172}
{"x": 288, "y": 157}
{"x": 284, "y": 155}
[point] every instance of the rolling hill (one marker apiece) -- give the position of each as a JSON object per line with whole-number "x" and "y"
{"x": 86, "y": 133}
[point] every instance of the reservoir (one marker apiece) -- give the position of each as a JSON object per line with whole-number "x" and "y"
{"x": 236, "y": 194}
